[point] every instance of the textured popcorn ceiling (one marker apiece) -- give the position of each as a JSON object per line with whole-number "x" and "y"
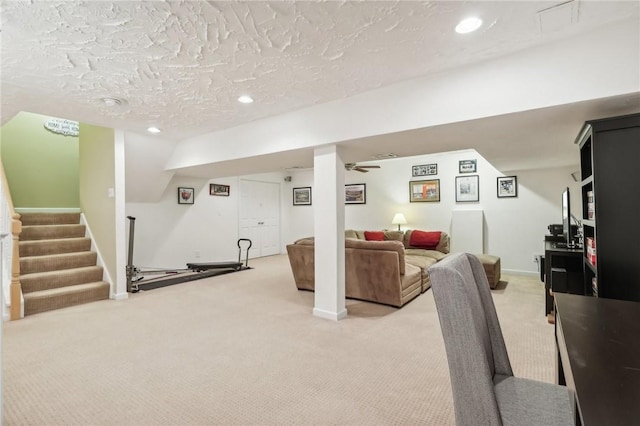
{"x": 181, "y": 65}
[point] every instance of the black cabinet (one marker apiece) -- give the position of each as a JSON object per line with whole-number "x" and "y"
{"x": 562, "y": 272}
{"x": 610, "y": 169}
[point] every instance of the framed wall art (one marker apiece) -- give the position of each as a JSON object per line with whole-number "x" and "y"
{"x": 507, "y": 186}
{"x": 467, "y": 166}
{"x": 424, "y": 170}
{"x": 302, "y": 196}
{"x": 185, "y": 195}
{"x": 355, "y": 193}
{"x": 467, "y": 189}
{"x": 424, "y": 190}
{"x": 216, "y": 189}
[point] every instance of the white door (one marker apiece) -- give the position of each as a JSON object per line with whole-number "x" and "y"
{"x": 260, "y": 216}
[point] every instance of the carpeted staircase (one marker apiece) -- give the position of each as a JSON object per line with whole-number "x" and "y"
{"x": 57, "y": 268}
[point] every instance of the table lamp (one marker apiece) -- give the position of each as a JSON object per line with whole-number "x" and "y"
{"x": 399, "y": 219}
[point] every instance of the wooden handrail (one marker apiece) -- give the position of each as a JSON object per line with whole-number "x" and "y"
{"x": 16, "y": 229}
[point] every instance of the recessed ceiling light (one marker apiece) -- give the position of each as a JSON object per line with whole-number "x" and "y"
{"x": 468, "y": 25}
{"x": 153, "y": 130}
{"x": 245, "y": 99}
{"x": 384, "y": 156}
{"x": 111, "y": 102}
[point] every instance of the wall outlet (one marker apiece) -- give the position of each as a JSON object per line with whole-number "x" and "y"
{"x": 536, "y": 258}
{"x": 197, "y": 254}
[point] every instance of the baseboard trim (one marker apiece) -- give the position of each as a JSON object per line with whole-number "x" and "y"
{"x": 334, "y": 316}
{"x": 518, "y": 272}
{"x": 119, "y": 296}
{"x": 47, "y": 210}
{"x": 99, "y": 261}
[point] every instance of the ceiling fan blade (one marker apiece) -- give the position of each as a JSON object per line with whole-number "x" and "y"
{"x": 363, "y": 169}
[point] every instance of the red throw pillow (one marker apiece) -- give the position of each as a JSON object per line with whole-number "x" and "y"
{"x": 374, "y": 235}
{"x": 426, "y": 240}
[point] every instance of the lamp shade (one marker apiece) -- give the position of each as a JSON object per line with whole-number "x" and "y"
{"x": 399, "y": 219}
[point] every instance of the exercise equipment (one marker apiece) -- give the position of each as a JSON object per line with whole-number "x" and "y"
{"x": 194, "y": 271}
{"x": 236, "y": 266}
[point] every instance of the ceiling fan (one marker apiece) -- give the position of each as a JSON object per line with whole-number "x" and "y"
{"x": 353, "y": 166}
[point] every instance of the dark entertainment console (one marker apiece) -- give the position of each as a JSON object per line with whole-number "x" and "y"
{"x": 563, "y": 272}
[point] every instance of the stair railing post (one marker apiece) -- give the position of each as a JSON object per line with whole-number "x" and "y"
{"x": 15, "y": 286}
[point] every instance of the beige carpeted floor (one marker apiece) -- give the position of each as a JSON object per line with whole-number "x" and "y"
{"x": 244, "y": 349}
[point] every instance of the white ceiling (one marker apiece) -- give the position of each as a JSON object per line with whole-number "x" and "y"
{"x": 181, "y": 65}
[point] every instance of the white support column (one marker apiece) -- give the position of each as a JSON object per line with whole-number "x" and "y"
{"x": 119, "y": 290}
{"x": 328, "y": 216}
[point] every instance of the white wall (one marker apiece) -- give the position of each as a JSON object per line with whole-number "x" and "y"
{"x": 145, "y": 157}
{"x": 514, "y": 228}
{"x": 169, "y": 235}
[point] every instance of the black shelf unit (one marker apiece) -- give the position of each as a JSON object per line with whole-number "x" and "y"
{"x": 609, "y": 166}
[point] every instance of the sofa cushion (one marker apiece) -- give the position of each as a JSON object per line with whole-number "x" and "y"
{"x": 374, "y": 235}
{"x": 306, "y": 241}
{"x": 380, "y": 245}
{"x": 424, "y": 263}
{"x": 423, "y": 239}
{"x": 393, "y": 235}
{"x": 421, "y": 262}
{"x": 350, "y": 233}
{"x": 433, "y": 254}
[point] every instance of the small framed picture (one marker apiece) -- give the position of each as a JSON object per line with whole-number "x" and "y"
{"x": 302, "y": 196}
{"x": 424, "y": 190}
{"x": 355, "y": 194}
{"x": 424, "y": 170}
{"x": 185, "y": 195}
{"x": 507, "y": 186}
{"x": 467, "y": 166}
{"x": 467, "y": 189}
{"x": 216, "y": 189}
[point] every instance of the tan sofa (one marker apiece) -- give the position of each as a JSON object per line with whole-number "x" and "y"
{"x": 382, "y": 271}
{"x": 375, "y": 271}
{"x": 420, "y": 257}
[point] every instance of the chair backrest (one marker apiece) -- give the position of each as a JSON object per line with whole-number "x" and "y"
{"x": 472, "y": 336}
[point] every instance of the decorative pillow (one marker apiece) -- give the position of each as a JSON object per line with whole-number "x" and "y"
{"x": 423, "y": 239}
{"x": 374, "y": 235}
{"x": 393, "y": 235}
{"x": 350, "y": 233}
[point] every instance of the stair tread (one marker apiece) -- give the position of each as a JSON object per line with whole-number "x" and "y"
{"x": 53, "y": 240}
{"x": 58, "y": 255}
{"x": 65, "y": 290}
{"x": 80, "y": 269}
{"x": 54, "y": 246}
{"x": 53, "y": 225}
{"x": 49, "y": 217}
{"x": 47, "y": 232}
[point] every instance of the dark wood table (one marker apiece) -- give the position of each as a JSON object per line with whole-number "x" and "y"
{"x": 598, "y": 342}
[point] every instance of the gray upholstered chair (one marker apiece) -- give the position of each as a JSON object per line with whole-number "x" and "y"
{"x": 485, "y": 392}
